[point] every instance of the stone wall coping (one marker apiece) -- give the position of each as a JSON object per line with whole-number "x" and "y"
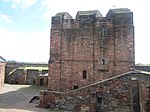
{"x": 105, "y": 80}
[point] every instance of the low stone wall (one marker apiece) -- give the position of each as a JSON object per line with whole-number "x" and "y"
{"x": 112, "y": 95}
{"x": 47, "y": 99}
{"x": 144, "y": 97}
{"x": 10, "y": 66}
{"x": 117, "y": 94}
{"x": 17, "y": 77}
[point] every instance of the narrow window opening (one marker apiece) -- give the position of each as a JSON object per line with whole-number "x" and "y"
{"x": 47, "y": 81}
{"x": 84, "y": 74}
{"x": 103, "y": 61}
{"x": 81, "y": 29}
{"x": 16, "y": 82}
{"x": 41, "y": 82}
{"x": 34, "y": 82}
{"x": 67, "y": 21}
{"x": 99, "y": 99}
{"x": 49, "y": 61}
{"x": 76, "y": 87}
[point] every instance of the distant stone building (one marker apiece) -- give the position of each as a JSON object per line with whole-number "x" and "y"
{"x": 26, "y": 73}
{"x": 2, "y": 71}
{"x": 90, "y": 47}
{"x": 92, "y": 67}
{"x": 43, "y": 79}
{"x": 143, "y": 67}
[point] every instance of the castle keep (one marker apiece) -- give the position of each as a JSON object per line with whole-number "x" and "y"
{"x": 90, "y": 47}
{"x": 91, "y": 67}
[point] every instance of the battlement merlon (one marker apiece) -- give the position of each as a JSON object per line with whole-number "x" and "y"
{"x": 88, "y": 16}
{"x": 120, "y": 17}
{"x": 65, "y": 20}
{"x": 60, "y": 18}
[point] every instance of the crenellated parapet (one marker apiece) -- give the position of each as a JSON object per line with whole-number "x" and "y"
{"x": 86, "y": 19}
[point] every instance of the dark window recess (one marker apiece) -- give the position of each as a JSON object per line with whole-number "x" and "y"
{"x": 103, "y": 61}
{"x": 67, "y": 21}
{"x": 47, "y": 81}
{"x": 49, "y": 61}
{"x": 99, "y": 99}
{"x": 41, "y": 82}
{"x": 72, "y": 21}
{"x": 84, "y": 74}
{"x": 34, "y": 82}
{"x": 16, "y": 82}
{"x": 76, "y": 87}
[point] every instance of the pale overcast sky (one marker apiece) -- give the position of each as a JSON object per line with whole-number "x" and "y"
{"x": 25, "y": 25}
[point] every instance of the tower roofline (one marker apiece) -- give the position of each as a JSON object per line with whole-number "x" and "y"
{"x": 112, "y": 12}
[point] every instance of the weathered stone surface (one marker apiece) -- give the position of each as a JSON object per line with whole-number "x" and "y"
{"x": 2, "y": 74}
{"x": 2, "y": 71}
{"x": 103, "y": 47}
{"x": 91, "y": 62}
{"x": 123, "y": 93}
{"x": 144, "y": 97}
{"x": 26, "y": 73}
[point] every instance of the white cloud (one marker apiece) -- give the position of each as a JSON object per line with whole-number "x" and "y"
{"x": 55, "y": 6}
{"x": 24, "y": 4}
{"x": 5, "y": 18}
{"x": 21, "y": 4}
{"x": 27, "y": 47}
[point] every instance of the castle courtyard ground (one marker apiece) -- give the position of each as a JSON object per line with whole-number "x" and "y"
{"x": 15, "y": 98}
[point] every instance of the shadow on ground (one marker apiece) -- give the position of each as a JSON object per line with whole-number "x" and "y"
{"x": 16, "y": 98}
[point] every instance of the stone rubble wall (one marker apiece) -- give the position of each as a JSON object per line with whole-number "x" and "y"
{"x": 117, "y": 94}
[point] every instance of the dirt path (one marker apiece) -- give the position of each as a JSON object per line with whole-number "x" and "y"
{"x": 15, "y": 98}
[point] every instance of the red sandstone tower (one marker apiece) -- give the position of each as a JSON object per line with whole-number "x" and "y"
{"x": 90, "y": 47}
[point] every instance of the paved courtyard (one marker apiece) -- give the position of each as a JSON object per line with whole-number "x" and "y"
{"x": 15, "y": 98}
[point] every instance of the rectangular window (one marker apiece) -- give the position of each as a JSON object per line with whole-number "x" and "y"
{"x": 103, "y": 61}
{"x": 84, "y": 74}
{"x": 99, "y": 99}
{"x": 76, "y": 87}
{"x": 33, "y": 81}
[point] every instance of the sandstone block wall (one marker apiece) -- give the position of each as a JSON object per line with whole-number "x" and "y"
{"x": 90, "y": 47}
{"x": 17, "y": 77}
{"x": 10, "y": 66}
{"x": 144, "y": 97}
{"x": 2, "y": 74}
{"x": 124, "y": 93}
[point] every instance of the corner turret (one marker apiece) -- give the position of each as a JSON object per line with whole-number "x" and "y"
{"x": 121, "y": 16}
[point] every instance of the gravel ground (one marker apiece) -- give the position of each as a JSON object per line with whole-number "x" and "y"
{"x": 15, "y": 98}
